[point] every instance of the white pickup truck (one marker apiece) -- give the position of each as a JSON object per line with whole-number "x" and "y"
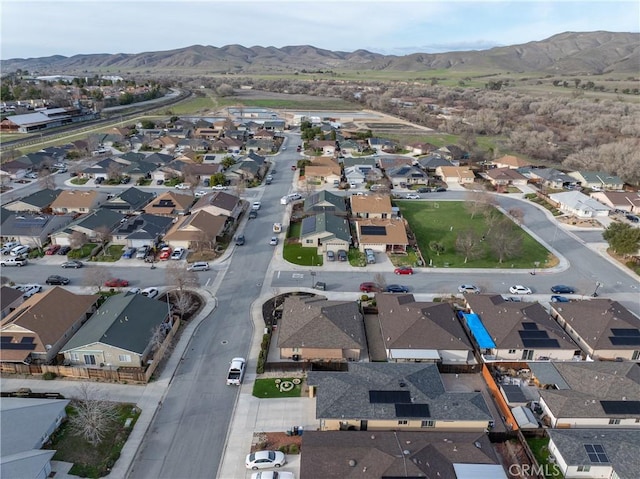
{"x": 236, "y": 372}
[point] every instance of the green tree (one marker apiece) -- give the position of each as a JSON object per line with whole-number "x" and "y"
{"x": 623, "y": 238}
{"x": 147, "y": 125}
{"x": 228, "y": 161}
{"x": 436, "y": 247}
{"x": 218, "y": 179}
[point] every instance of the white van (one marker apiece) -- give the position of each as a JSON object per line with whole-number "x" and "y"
{"x": 19, "y": 250}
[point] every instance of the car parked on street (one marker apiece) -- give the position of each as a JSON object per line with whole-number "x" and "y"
{"x": 182, "y": 186}
{"x": 14, "y": 262}
{"x": 54, "y": 279}
{"x": 200, "y": 193}
{"x": 265, "y": 459}
{"x": 256, "y": 205}
{"x": 369, "y": 287}
{"x": 556, "y": 298}
{"x": 562, "y": 289}
{"x": 75, "y": 264}
{"x": 413, "y": 196}
{"x": 273, "y": 475}
{"x": 397, "y": 288}
{"x": 468, "y": 288}
{"x": 198, "y": 266}
{"x": 403, "y": 270}
{"x": 116, "y": 283}
{"x": 253, "y": 214}
{"x": 239, "y": 240}
{"x": 519, "y": 289}
{"x": 274, "y": 241}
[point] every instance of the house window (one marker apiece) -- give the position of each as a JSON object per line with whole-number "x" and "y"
{"x": 428, "y": 424}
{"x": 403, "y": 422}
{"x": 512, "y": 351}
{"x": 635, "y": 356}
{"x": 89, "y": 359}
{"x": 308, "y": 241}
{"x": 124, "y": 358}
{"x": 584, "y": 468}
{"x": 74, "y": 357}
{"x": 614, "y": 421}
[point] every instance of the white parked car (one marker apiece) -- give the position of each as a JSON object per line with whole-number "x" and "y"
{"x": 178, "y": 253}
{"x": 274, "y": 241}
{"x": 265, "y": 459}
{"x": 200, "y": 194}
{"x": 256, "y": 205}
{"x": 519, "y": 289}
{"x": 182, "y": 186}
{"x": 29, "y": 290}
{"x": 413, "y": 196}
{"x": 218, "y": 187}
{"x": 150, "y": 292}
{"x": 134, "y": 291}
{"x": 468, "y": 288}
{"x": 273, "y": 475}
{"x": 198, "y": 266}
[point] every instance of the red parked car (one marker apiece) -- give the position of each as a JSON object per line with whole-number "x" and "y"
{"x": 165, "y": 253}
{"x": 370, "y": 288}
{"x": 116, "y": 283}
{"x": 403, "y": 270}
{"x": 53, "y": 249}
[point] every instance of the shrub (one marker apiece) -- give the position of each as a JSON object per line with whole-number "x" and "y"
{"x": 364, "y": 297}
{"x": 49, "y": 375}
{"x": 293, "y": 449}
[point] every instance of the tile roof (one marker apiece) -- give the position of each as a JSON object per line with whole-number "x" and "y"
{"x": 321, "y": 324}
{"x": 219, "y": 199}
{"x": 504, "y": 174}
{"x": 512, "y": 161}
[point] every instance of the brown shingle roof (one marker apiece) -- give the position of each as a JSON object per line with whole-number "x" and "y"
{"x": 512, "y": 161}
{"x": 504, "y": 174}
{"x": 219, "y": 199}
{"x": 75, "y": 199}
{"x": 192, "y": 227}
{"x": 180, "y": 202}
{"x": 395, "y": 232}
{"x": 371, "y": 204}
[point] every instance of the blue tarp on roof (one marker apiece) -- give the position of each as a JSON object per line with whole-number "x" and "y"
{"x": 481, "y": 335}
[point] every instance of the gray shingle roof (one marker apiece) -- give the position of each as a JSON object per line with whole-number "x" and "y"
{"x": 98, "y": 218}
{"x": 346, "y": 394}
{"x": 325, "y": 201}
{"x": 334, "y": 226}
{"x": 123, "y": 321}
{"x": 131, "y": 198}
{"x": 41, "y": 198}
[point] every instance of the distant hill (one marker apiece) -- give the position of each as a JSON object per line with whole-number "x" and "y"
{"x": 565, "y": 53}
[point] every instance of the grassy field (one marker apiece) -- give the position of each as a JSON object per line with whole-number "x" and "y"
{"x": 442, "y": 221}
{"x": 277, "y": 388}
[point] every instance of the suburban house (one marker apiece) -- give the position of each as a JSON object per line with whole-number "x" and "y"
{"x": 393, "y": 397}
{"x": 362, "y": 162}
{"x": 244, "y": 171}
{"x": 77, "y": 201}
{"x": 10, "y": 299}
{"x": 430, "y": 163}
{"x": 142, "y": 230}
{"x": 515, "y": 331}
{"x": 598, "y": 180}
{"x": 380, "y": 144}
{"x": 227, "y": 145}
{"x": 403, "y": 176}
{"x": 105, "y": 169}
{"x": 619, "y": 200}
{"x": 455, "y": 174}
{"x": 580, "y": 205}
{"x": 15, "y": 169}
{"x": 421, "y": 331}
{"x": 91, "y": 225}
{"x": 388, "y": 161}
{"x": 323, "y": 173}
{"x": 158, "y": 159}
{"x": 327, "y": 147}
{"x": 131, "y": 200}
{"x": 139, "y": 170}
{"x": 550, "y": 178}
{"x": 591, "y": 394}
{"x": 35, "y": 202}
{"x": 371, "y": 206}
{"x": 325, "y": 202}
{"x": 603, "y": 328}
{"x": 27, "y": 425}
{"x": 169, "y": 203}
{"x": 453, "y": 153}
{"x": 420, "y": 148}
{"x": 119, "y": 333}
{"x": 207, "y": 133}
{"x": 260, "y": 145}
{"x": 326, "y": 232}
{"x": 510, "y": 161}
{"x": 505, "y": 177}
{"x": 355, "y": 175}
{"x": 595, "y": 452}
{"x": 37, "y": 330}
{"x": 350, "y": 147}
{"x": 32, "y": 229}
{"x": 315, "y": 329}
{"x": 197, "y": 230}
{"x": 133, "y": 157}
{"x": 220, "y": 203}
{"x": 347, "y": 454}
{"x": 383, "y": 235}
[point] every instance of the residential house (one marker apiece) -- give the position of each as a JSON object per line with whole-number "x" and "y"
{"x": 242, "y": 135}
{"x": 227, "y": 145}
{"x": 264, "y": 146}
{"x": 119, "y": 334}
{"x": 10, "y": 299}
{"x": 420, "y": 148}
{"x": 550, "y": 178}
{"x": 35, "y": 202}
{"x": 356, "y": 176}
{"x": 619, "y": 200}
{"x": 166, "y": 143}
{"x": 383, "y": 235}
{"x": 315, "y": 329}
{"x": 106, "y": 169}
{"x": 323, "y": 174}
{"x": 431, "y": 163}
{"x": 578, "y": 204}
{"x": 371, "y": 206}
{"x": 592, "y": 394}
{"x": 595, "y": 452}
{"x": 364, "y": 163}
{"x": 388, "y": 162}
{"x": 598, "y": 180}
{"x": 37, "y": 330}
{"x": 326, "y": 232}
{"x": 380, "y": 144}
{"x": 404, "y": 176}
{"x": 515, "y": 331}
{"x": 511, "y": 162}
{"x": 142, "y": 230}
{"x": 220, "y": 203}
{"x": 505, "y": 177}
{"x": 27, "y": 425}
{"x": 421, "y": 331}
{"x": 77, "y": 201}
{"x": 274, "y": 125}
{"x": 393, "y": 397}
{"x": 346, "y": 454}
{"x": 453, "y": 153}
{"x": 139, "y": 170}
{"x": 207, "y": 133}
{"x": 15, "y": 169}
{"x": 130, "y": 201}
{"x": 90, "y": 225}
{"x": 133, "y": 157}
{"x": 169, "y": 203}
{"x": 244, "y": 171}
{"x": 326, "y": 147}
{"x": 350, "y": 147}
{"x": 325, "y": 202}
{"x": 197, "y": 230}
{"x": 603, "y": 328}
{"x": 32, "y": 229}
{"x": 159, "y": 159}
{"x": 455, "y": 174}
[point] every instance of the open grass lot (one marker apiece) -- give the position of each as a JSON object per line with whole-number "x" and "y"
{"x": 277, "y": 388}
{"x": 442, "y": 220}
{"x": 540, "y": 448}
{"x": 88, "y": 460}
{"x": 194, "y": 105}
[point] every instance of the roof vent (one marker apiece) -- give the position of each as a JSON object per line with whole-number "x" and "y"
{"x": 373, "y": 436}
{"x": 352, "y": 462}
{"x": 477, "y": 444}
{"x": 406, "y": 452}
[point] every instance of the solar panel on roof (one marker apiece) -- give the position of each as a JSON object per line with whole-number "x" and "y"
{"x": 626, "y": 332}
{"x": 308, "y": 225}
{"x": 373, "y": 230}
{"x": 412, "y": 410}
{"x": 529, "y": 326}
{"x": 624, "y": 340}
{"x": 533, "y": 334}
{"x": 389, "y": 397}
{"x": 596, "y": 453}
{"x": 540, "y": 343}
{"x": 621, "y": 407}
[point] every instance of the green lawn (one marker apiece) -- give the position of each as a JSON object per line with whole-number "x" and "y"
{"x": 83, "y": 252}
{"x": 277, "y": 388}
{"x": 295, "y": 253}
{"x": 114, "y": 253}
{"x": 540, "y": 448}
{"x": 442, "y": 221}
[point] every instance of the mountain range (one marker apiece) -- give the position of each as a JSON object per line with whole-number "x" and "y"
{"x": 566, "y": 53}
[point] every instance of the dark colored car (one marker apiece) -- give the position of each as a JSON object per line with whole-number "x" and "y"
{"x": 159, "y": 182}
{"x": 556, "y": 298}
{"x": 331, "y": 256}
{"x": 55, "y": 279}
{"x": 64, "y": 250}
{"x": 72, "y": 264}
{"x": 239, "y": 240}
{"x": 369, "y": 287}
{"x": 440, "y": 189}
{"x": 424, "y": 190}
{"x": 562, "y": 289}
{"x": 342, "y": 255}
{"x": 253, "y": 214}
{"x": 397, "y": 288}
{"x": 403, "y": 270}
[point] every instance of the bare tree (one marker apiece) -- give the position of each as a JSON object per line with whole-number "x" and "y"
{"x": 379, "y": 279}
{"x": 180, "y": 277}
{"x": 103, "y": 235}
{"x": 309, "y": 187}
{"x": 517, "y": 214}
{"x": 504, "y": 240}
{"x": 190, "y": 178}
{"x": 468, "y": 243}
{"x": 93, "y": 417}
{"x": 96, "y": 277}
{"x": 114, "y": 171}
{"x": 182, "y": 302}
{"x": 77, "y": 239}
{"x": 239, "y": 186}
{"x": 159, "y": 337}
{"x": 477, "y": 202}
{"x": 46, "y": 181}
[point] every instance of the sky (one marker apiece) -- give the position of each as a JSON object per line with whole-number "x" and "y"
{"x": 57, "y": 27}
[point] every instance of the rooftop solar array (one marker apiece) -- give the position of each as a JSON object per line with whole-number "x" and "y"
{"x": 308, "y": 225}
{"x": 596, "y": 453}
{"x": 164, "y": 204}
{"x": 389, "y": 397}
{"x": 621, "y": 407}
{"x": 25, "y": 344}
{"x": 412, "y": 410}
{"x": 625, "y": 337}
{"x": 30, "y": 222}
{"x": 373, "y": 230}
{"x": 533, "y": 338}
